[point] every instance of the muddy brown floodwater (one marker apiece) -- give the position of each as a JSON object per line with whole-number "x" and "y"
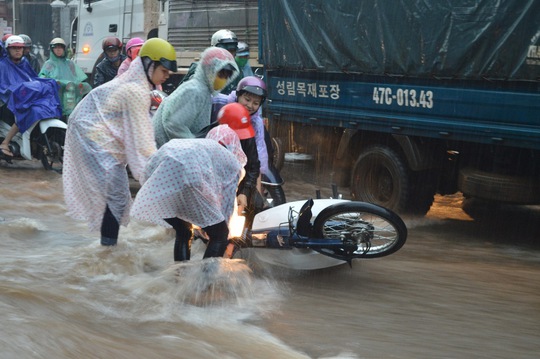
{"x": 459, "y": 288}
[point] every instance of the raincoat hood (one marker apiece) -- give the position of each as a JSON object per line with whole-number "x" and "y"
{"x": 226, "y": 136}
{"x": 188, "y": 110}
{"x": 213, "y": 60}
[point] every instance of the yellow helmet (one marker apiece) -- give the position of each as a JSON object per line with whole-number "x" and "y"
{"x": 161, "y": 51}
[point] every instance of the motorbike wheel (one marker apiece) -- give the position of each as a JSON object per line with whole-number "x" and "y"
{"x": 367, "y": 230}
{"x": 53, "y": 158}
{"x": 276, "y": 193}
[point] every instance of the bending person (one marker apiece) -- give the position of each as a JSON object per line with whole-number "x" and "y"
{"x": 193, "y": 181}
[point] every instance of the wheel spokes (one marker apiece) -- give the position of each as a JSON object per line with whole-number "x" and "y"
{"x": 371, "y": 232}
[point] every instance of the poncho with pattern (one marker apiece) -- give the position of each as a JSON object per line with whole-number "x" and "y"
{"x": 188, "y": 109}
{"x": 109, "y": 129}
{"x": 192, "y": 179}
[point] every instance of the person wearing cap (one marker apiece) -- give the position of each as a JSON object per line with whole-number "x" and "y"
{"x": 193, "y": 181}
{"x": 187, "y": 110}
{"x": 107, "y": 69}
{"x": 132, "y": 50}
{"x": 62, "y": 69}
{"x": 108, "y": 130}
{"x": 27, "y": 98}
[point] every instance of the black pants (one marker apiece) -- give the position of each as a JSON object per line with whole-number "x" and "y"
{"x": 109, "y": 229}
{"x": 217, "y": 233}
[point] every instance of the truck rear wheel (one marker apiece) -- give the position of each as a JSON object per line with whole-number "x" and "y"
{"x": 499, "y": 187}
{"x": 278, "y": 157}
{"x": 380, "y": 176}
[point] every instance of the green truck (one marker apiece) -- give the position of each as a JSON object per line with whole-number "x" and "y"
{"x": 404, "y": 100}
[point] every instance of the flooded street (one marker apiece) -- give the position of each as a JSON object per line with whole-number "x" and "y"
{"x": 458, "y": 288}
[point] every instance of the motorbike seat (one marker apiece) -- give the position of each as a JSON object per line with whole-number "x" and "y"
{"x": 303, "y": 224}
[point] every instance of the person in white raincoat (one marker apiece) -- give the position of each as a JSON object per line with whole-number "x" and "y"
{"x": 109, "y": 129}
{"x": 193, "y": 181}
{"x": 188, "y": 109}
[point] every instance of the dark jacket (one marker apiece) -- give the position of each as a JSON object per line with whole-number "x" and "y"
{"x": 248, "y": 185}
{"x": 106, "y": 71}
{"x": 34, "y": 62}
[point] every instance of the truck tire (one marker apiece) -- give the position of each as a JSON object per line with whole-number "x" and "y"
{"x": 380, "y": 176}
{"x": 498, "y": 187}
{"x": 278, "y": 157}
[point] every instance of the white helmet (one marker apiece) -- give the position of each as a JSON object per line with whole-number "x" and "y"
{"x": 243, "y": 49}
{"x": 15, "y": 41}
{"x": 225, "y": 39}
{"x": 57, "y": 41}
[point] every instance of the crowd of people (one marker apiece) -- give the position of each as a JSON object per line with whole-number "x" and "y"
{"x": 198, "y": 157}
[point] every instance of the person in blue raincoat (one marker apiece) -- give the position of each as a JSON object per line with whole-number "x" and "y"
{"x": 67, "y": 74}
{"x": 28, "y": 97}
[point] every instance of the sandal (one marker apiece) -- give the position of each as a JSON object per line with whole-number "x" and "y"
{"x": 5, "y": 153}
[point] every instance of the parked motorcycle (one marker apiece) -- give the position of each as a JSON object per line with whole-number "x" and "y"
{"x": 44, "y": 140}
{"x": 315, "y": 234}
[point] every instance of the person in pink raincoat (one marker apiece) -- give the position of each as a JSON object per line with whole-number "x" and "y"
{"x": 109, "y": 129}
{"x": 193, "y": 181}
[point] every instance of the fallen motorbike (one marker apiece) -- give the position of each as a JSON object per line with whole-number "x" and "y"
{"x": 44, "y": 140}
{"x": 318, "y": 233}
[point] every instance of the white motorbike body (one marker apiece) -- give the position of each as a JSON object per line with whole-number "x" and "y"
{"x": 24, "y": 140}
{"x": 294, "y": 258}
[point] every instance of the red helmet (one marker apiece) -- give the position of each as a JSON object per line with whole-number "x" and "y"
{"x": 237, "y": 118}
{"x": 5, "y": 37}
{"x": 111, "y": 41}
